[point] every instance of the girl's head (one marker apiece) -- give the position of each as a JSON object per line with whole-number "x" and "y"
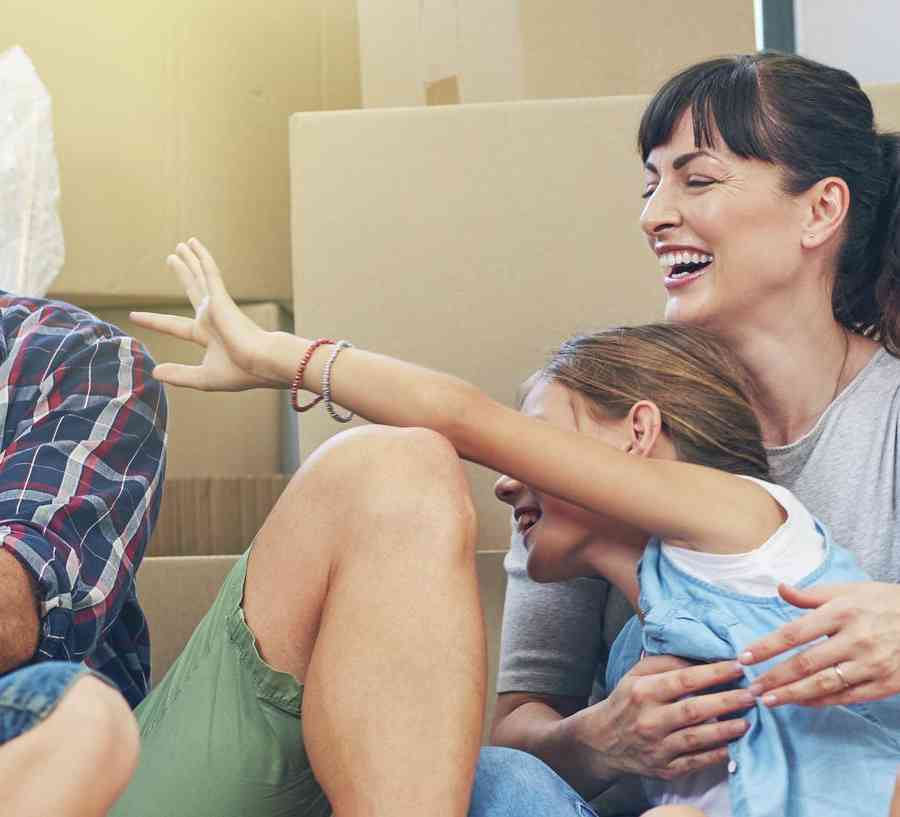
{"x": 789, "y": 178}
{"x": 660, "y": 390}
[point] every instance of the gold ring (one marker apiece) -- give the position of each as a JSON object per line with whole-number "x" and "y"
{"x": 840, "y": 675}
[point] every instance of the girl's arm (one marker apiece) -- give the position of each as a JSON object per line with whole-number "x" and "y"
{"x": 672, "y": 499}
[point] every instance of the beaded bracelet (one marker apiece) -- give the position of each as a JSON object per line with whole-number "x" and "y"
{"x": 297, "y": 382}
{"x": 326, "y": 384}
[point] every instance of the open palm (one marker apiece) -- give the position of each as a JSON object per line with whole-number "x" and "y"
{"x": 229, "y": 337}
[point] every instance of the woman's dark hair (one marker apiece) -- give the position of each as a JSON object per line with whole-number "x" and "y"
{"x": 812, "y": 122}
{"x": 702, "y": 390}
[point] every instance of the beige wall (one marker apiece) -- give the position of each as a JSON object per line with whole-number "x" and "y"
{"x": 502, "y": 50}
{"x": 171, "y": 120}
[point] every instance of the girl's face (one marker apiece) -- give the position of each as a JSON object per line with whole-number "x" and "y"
{"x": 727, "y": 237}
{"x": 561, "y": 537}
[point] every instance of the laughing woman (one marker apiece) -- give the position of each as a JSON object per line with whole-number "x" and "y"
{"x": 771, "y": 201}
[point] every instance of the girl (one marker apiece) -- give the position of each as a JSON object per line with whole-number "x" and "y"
{"x": 638, "y": 446}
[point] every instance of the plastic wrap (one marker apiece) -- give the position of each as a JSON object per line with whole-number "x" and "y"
{"x": 31, "y": 238}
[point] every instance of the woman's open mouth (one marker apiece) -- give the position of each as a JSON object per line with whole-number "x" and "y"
{"x": 683, "y": 267}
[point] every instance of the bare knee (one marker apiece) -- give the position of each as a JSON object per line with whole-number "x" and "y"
{"x": 115, "y": 741}
{"x": 386, "y": 476}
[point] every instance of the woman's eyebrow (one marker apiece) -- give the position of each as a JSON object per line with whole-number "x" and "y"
{"x": 687, "y": 158}
{"x": 680, "y": 161}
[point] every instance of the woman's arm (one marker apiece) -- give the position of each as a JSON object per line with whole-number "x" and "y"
{"x": 668, "y": 498}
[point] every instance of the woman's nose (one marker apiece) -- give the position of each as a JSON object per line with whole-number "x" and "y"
{"x": 660, "y": 213}
{"x": 508, "y": 490}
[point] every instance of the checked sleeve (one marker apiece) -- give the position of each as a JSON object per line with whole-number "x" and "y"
{"x": 81, "y": 474}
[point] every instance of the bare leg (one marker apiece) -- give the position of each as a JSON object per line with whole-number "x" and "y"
{"x": 362, "y": 584}
{"x": 674, "y": 811}
{"x": 77, "y": 762}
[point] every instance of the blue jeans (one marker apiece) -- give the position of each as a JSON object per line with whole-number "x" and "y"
{"x": 509, "y": 783}
{"x": 28, "y": 695}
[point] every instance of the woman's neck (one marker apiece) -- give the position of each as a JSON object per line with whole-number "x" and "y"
{"x": 798, "y": 372}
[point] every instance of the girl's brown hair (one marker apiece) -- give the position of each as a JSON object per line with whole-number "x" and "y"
{"x": 702, "y": 390}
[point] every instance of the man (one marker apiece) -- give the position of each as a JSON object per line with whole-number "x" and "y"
{"x": 82, "y": 440}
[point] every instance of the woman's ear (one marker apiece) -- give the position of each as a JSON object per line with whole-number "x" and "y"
{"x": 828, "y": 202}
{"x": 645, "y": 427}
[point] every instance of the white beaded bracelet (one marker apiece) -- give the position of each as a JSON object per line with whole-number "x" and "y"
{"x": 326, "y": 383}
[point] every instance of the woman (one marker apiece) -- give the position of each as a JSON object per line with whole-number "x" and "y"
{"x": 772, "y": 204}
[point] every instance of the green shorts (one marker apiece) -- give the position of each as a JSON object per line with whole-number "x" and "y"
{"x": 221, "y": 735}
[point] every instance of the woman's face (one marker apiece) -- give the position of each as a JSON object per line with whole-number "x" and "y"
{"x": 557, "y": 534}
{"x": 727, "y": 237}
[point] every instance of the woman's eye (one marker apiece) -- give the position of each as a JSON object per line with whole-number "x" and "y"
{"x": 648, "y": 192}
{"x": 700, "y": 182}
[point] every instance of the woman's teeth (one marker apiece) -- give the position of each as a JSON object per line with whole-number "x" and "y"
{"x": 674, "y": 259}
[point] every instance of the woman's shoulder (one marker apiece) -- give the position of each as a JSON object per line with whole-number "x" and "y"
{"x": 881, "y": 373}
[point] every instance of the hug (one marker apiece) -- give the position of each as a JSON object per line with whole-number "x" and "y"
{"x": 730, "y": 471}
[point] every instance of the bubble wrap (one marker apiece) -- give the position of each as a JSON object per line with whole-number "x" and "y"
{"x": 31, "y": 239}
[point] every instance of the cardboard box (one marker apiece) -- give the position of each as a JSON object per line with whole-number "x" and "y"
{"x": 503, "y": 50}
{"x": 171, "y": 121}
{"x": 473, "y": 238}
{"x": 217, "y": 434}
{"x": 203, "y": 516}
{"x": 176, "y": 592}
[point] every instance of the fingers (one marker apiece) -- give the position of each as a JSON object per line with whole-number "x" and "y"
{"x": 177, "y": 374}
{"x": 173, "y": 325}
{"x": 209, "y": 268}
{"x": 703, "y": 738}
{"x": 806, "y": 665}
{"x": 687, "y": 764}
{"x": 700, "y": 708}
{"x": 186, "y": 266}
{"x": 801, "y": 631}
{"x": 825, "y": 683}
{"x": 672, "y": 685}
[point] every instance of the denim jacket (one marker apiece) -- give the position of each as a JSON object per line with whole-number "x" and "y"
{"x": 793, "y": 761}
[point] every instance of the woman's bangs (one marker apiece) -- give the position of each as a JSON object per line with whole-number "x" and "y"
{"x": 724, "y": 99}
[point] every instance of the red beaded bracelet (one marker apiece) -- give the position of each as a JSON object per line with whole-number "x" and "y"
{"x": 297, "y": 382}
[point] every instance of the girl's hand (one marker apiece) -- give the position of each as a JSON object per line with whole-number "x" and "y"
{"x": 232, "y": 341}
{"x": 860, "y": 659}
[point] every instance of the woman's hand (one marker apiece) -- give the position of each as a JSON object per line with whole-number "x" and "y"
{"x": 660, "y": 721}
{"x": 230, "y": 338}
{"x": 860, "y": 659}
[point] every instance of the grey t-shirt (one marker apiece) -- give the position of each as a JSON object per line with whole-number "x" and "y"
{"x": 845, "y": 470}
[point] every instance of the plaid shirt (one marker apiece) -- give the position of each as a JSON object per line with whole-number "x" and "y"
{"x": 81, "y": 469}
